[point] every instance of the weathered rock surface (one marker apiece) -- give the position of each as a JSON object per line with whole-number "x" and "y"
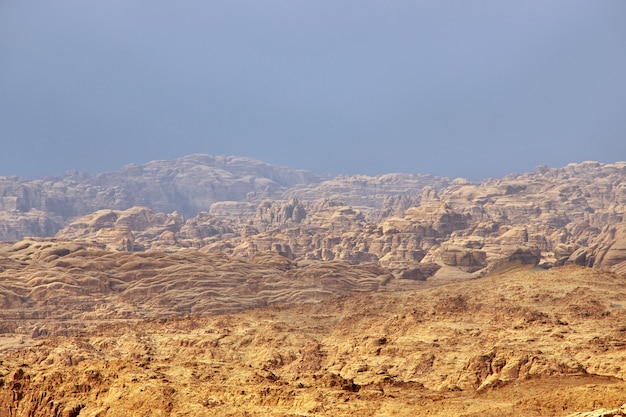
{"x": 550, "y": 217}
{"x": 46, "y": 280}
{"x": 187, "y": 185}
{"x": 608, "y": 250}
{"x": 573, "y": 215}
{"x": 602, "y": 412}
{"x": 390, "y": 192}
{"x": 225, "y": 286}
{"x": 523, "y": 342}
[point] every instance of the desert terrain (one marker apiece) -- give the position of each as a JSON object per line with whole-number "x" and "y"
{"x": 522, "y": 341}
{"x": 272, "y": 291}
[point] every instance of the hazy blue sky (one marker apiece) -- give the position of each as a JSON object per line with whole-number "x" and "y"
{"x": 454, "y": 88}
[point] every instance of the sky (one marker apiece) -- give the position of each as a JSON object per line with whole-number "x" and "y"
{"x": 475, "y": 89}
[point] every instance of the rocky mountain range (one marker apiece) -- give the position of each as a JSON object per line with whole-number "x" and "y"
{"x": 188, "y": 185}
{"x": 413, "y": 225}
{"x": 227, "y": 286}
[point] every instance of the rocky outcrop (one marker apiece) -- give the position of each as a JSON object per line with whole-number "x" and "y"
{"x": 43, "y": 279}
{"x": 14, "y": 225}
{"x": 549, "y": 217}
{"x": 602, "y": 412}
{"x": 609, "y": 250}
{"x": 466, "y": 259}
{"x": 389, "y": 192}
{"x": 501, "y": 222}
{"x": 187, "y": 185}
{"x": 524, "y": 342}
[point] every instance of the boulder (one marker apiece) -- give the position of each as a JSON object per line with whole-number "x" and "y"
{"x": 466, "y": 259}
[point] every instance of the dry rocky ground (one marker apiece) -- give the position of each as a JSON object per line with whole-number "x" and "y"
{"x": 522, "y": 341}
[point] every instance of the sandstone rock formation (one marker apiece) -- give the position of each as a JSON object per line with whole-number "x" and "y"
{"x": 525, "y": 341}
{"x": 47, "y": 280}
{"x": 552, "y": 217}
{"x": 187, "y": 185}
{"x": 602, "y": 412}
{"x": 239, "y": 206}
{"x": 272, "y": 292}
{"x": 389, "y": 192}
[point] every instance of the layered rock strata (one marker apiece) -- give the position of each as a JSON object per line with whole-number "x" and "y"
{"x": 573, "y": 215}
{"x": 524, "y": 342}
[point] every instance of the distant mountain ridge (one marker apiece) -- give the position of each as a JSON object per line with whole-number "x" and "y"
{"x": 187, "y": 185}
{"x": 410, "y": 224}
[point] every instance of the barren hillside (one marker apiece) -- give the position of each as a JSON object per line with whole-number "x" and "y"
{"x": 524, "y": 341}
{"x": 226, "y": 286}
